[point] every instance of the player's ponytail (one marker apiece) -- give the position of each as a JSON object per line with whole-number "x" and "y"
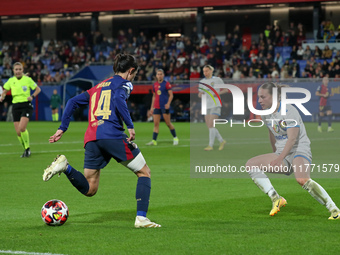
{"x": 270, "y": 85}
{"x": 123, "y": 62}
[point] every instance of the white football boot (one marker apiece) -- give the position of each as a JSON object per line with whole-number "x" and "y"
{"x": 143, "y": 222}
{"x": 58, "y": 166}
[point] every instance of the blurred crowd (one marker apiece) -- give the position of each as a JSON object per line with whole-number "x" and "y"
{"x": 273, "y": 54}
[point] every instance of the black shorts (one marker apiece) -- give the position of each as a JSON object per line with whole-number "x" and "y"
{"x": 22, "y": 110}
{"x": 325, "y": 108}
{"x": 161, "y": 111}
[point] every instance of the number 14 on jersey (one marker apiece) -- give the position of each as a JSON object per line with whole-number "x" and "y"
{"x": 103, "y": 107}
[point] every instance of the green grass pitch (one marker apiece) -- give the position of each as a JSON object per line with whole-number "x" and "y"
{"x": 198, "y": 215}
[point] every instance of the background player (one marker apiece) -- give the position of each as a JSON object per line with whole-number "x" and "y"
{"x": 324, "y": 92}
{"x": 291, "y": 149}
{"x": 105, "y": 137}
{"x": 161, "y": 100}
{"x": 20, "y": 86}
{"x": 54, "y": 105}
{"x": 213, "y": 111}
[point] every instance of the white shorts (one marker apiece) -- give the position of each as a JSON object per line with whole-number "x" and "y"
{"x": 135, "y": 164}
{"x": 214, "y": 111}
{"x": 288, "y": 160}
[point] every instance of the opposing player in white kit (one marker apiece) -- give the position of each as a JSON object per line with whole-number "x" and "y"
{"x": 291, "y": 148}
{"x": 213, "y": 111}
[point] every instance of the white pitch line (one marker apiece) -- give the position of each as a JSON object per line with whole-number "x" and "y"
{"x": 28, "y": 253}
{"x": 62, "y": 150}
{"x": 12, "y": 144}
{"x": 56, "y": 151}
{"x": 229, "y": 142}
{"x": 81, "y": 142}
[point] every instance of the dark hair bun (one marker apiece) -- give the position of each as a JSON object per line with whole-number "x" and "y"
{"x": 124, "y": 62}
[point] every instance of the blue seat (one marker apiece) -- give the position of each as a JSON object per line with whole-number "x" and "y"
{"x": 278, "y": 50}
{"x": 287, "y": 49}
{"x": 285, "y": 55}
{"x": 302, "y": 64}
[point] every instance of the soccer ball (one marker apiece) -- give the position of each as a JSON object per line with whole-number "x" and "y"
{"x": 54, "y": 212}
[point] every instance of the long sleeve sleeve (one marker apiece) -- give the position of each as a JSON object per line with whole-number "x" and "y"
{"x": 121, "y": 96}
{"x": 72, "y": 104}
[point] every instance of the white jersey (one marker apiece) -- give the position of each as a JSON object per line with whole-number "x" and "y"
{"x": 279, "y": 124}
{"x": 211, "y": 82}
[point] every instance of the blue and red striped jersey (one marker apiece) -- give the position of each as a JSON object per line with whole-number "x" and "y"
{"x": 161, "y": 94}
{"x": 107, "y": 109}
{"x": 323, "y": 90}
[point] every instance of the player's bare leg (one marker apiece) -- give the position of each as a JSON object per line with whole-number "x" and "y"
{"x": 23, "y": 135}
{"x": 156, "y": 121}
{"x": 321, "y": 115}
{"x": 92, "y": 176}
{"x": 167, "y": 119}
{"x": 329, "y": 120}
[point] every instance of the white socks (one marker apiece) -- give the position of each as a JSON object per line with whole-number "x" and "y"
{"x": 314, "y": 189}
{"x": 218, "y": 135}
{"x": 213, "y": 133}
{"x": 262, "y": 181}
{"x": 211, "y": 137}
{"x": 320, "y": 194}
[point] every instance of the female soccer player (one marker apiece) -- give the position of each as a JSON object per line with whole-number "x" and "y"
{"x": 21, "y": 86}
{"x": 324, "y": 92}
{"x": 291, "y": 151}
{"x": 105, "y": 138}
{"x": 213, "y": 112}
{"x": 161, "y": 100}
{"x": 54, "y": 105}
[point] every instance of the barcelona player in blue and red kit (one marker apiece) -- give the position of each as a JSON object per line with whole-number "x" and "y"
{"x": 324, "y": 92}
{"x": 105, "y": 137}
{"x": 161, "y": 100}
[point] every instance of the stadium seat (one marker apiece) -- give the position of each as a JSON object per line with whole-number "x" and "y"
{"x": 278, "y": 50}
{"x": 285, "y": 55}
{"x": 302, "y": 64}
{"x": 287, "y": 49}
